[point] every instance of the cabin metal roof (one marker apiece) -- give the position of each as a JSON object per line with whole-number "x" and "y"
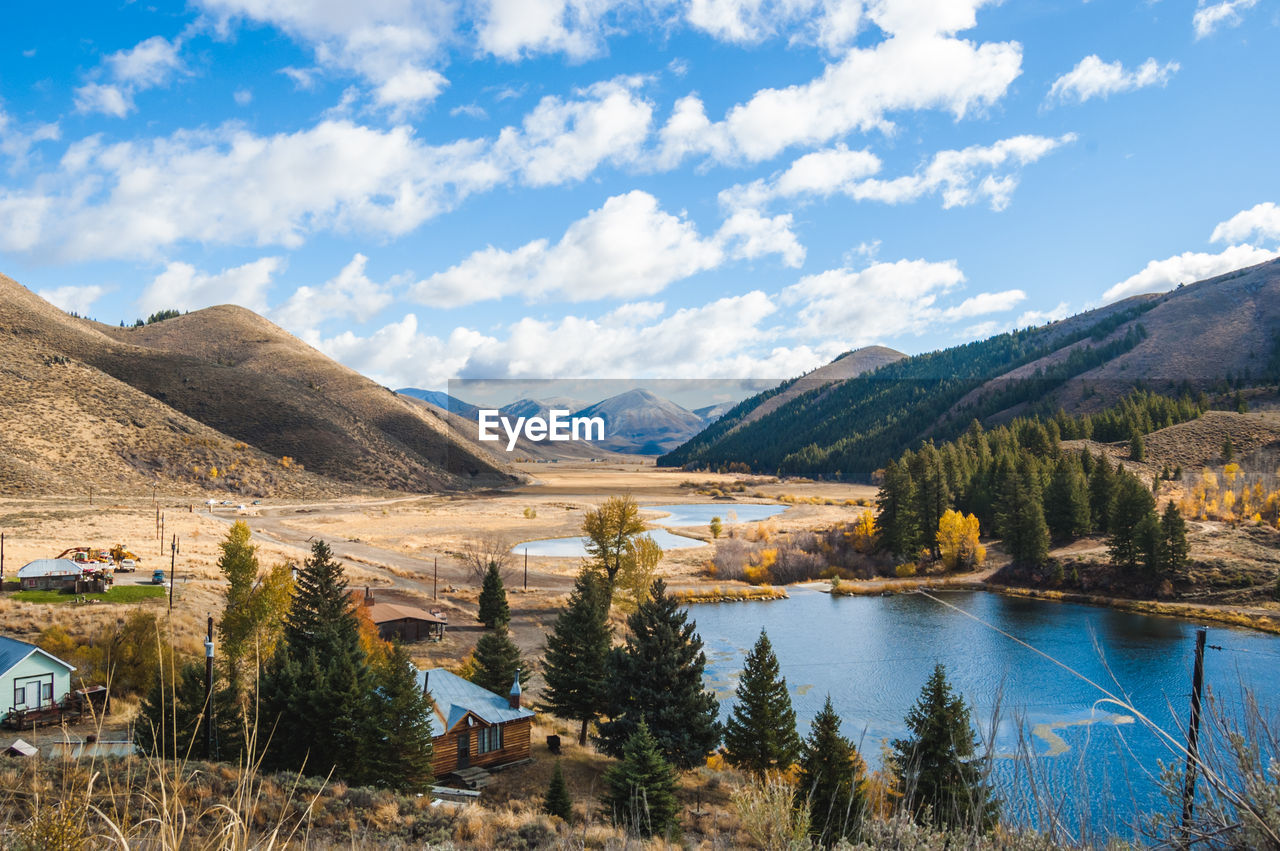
{"x": 50, "y": 567}
{"x": 384, "y": 612}
{"x": 13, "y": 651}
{"x": 455, "y": 698}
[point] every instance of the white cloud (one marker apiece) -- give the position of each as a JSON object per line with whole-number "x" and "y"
{"x": 1186, "y": 268}
{"x": 748, "y": 234}
{"x": 148, "y": 64}
{"x": 832, "y": 24}
{"x": 182, "y": 287}
{"x": 562, "y": 140}
{"x": 628, "y": 247}
{"x": 351, "y": 295}
{"x": 104, "y": 99}
{"x": 512, "y": 29}
{"x": 17, "y": 142}
{"x": 73, "y": 299}
{"x": 984, "y": 303}
{"x": 1226, "y": 13}
{"x": 393, "y": 45}
{"x": 471, "y": 110}
{"x": 1262, "y": 220}
{"x": 1094, "y": 78}
{"x": 857, "y": 93}
{"x": 978, "y": 173}
{"x": 243, "y": 97}
{"x": 881, "y": 301}
{"x": 1041, "y": 317}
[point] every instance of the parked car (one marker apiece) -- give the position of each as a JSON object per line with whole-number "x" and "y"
{"x": 157, "y": 576}
{"x": 127, "y": 565}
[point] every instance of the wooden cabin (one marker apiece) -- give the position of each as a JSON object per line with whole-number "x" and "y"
{"x": 407, "y": 623}
{"x": 478, "y": 729}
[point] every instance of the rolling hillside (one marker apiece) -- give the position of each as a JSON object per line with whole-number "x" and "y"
{"x": 1204, "y": 335}
{"x": 180, "y": 398}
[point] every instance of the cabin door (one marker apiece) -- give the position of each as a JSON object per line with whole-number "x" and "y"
{"x": 464, "y": 750}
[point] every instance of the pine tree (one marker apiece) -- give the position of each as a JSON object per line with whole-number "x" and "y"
{"x": 317, "y": 693}
{"x": 899, "y": 530}
{"x": 761, "y": 733}
{"x": 1132, "y": 513}
{"x": 1020, "y": 510}
{"x": 497, "y": 661}
{"x": 831, "y": 780}
{"x": 656, "y": 677}
{"x": 1174, "y": 531}
{"x": 640, "y": 791}
{"x": 493, "y": 599}
{"x": 172, "y": 723}
{"x": 557, "y": 801}
{"x": 1066, "y": 501}
{"x": 575, "y": 664}
{"x": 402, "y": 752}
{"x": 936, "y": 761}
{"x": 1137, "y": 449}
{"x": 933, "y": 496}
{"x": 1101, "y": 489}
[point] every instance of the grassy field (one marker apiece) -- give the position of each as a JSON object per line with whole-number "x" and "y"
{"x": 117, "y": 594}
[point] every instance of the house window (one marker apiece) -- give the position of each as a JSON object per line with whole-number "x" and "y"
{"x": 489, "y": 739}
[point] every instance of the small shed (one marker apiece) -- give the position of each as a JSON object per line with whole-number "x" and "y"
{"x": 21, "y": 749}
{"x": 50, "y": 574}
{"x": 407, "y": 623}
{"x": 30, "y": 678}
{"x": 476, "y": 728}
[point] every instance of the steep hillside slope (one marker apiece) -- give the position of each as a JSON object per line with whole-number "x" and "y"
{"x": 848, "y": 365}
{"x": 239, "y": 373}
{"x": 227, "y": 375}
{"x": 1201, "y": 335}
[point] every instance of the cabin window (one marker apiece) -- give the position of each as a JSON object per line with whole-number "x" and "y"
{"x": 489, "y": 739}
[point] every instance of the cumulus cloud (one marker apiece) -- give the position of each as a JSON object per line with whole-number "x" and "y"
{"x": 148, "y": 64}
{"x": 1262, "y": 221}
{"x": 512, "y": 29}
{"x": 1224, "y": 14}
{"x": 980, "y": 173}
{"x": 918, "y": 71}
{"x": 984, "y": 303}
{"x": 73, "y": 299}
{"x": 628, "y": 247}
{"x": 183, "y": 287}
{"x": 392, "y": 45}
{"x": 1185, "y": 268}
{"x": 829, "y": 23}
{"x": 17, "y": 142}
{"x": 351, "y": 294}
{"x": 1093, "y": 78}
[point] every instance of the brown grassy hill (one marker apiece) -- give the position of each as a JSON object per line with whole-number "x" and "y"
{"x": 248, "y": 383}
{"x": 66, "y": 426}
{"x": 251, "y": 379}
{"x": 848, "y": 365}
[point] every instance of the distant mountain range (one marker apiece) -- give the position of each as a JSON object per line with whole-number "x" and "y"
{"x": 1219, "y": 334}
{"x": 637, "y": 422}
{"x": 215, "y": 400}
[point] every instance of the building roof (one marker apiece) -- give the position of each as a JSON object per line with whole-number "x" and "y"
{"x": 21, "y": 748}
{"x": 455, "y": 697}
{"x": 50, "y": 567}
{"x": 13, "y": 651}
{"x": 383, "y": 612}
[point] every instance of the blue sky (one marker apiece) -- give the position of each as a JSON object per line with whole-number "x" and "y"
{"x": 601, "y": 188}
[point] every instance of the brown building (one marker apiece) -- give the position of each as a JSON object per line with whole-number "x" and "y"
{"x": 407, "y": 623}
{"x": 475, "y": 727}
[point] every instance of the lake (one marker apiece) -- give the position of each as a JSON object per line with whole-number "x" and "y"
{"x": 577, "y": 547}
{"x": 700, "y": 514}
{"x": 873, "y": 655}
{"x": 691, "y": 514}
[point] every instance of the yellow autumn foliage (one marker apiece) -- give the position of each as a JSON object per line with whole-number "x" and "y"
{"x": 958, "y": 541}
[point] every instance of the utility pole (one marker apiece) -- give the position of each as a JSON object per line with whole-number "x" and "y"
{"x": 91, "y": 494}
{"x": 173, "y": 557}
{"x": 208, "y": 692}
{"x": 1, "y": 562}
{"x": 526, "y": 568}
{"x": 435, "y": 576}
{"x": 1193, "y": 739}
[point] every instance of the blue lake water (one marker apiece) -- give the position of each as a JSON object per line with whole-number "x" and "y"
{"x": 700, "y": 514}
{"x": 873, "y": 655}
{"x": 577, "y": 547}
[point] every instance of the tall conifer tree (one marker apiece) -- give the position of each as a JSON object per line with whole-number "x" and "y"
{"x": 830, "y": 780}
{"x": 640, "y": 791}
{"x": 656, "y": 677}
{"x": 497, "y": 661}
{"x": 761, "y": 733}
{"x": 1066, "y": 501}
{"x": 403, "y": 725}
{"x": 1101, "y": 489}
{"x": 578, "y": 652}
{"x": 493, "y": 599}
{"x": 1132, "y": 525}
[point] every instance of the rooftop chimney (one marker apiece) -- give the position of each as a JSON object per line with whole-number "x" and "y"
{"x": 513, "y": 699}
{"x": 368, "y": 596}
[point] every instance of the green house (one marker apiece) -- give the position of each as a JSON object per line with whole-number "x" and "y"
{"x": 30, "y": 678}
